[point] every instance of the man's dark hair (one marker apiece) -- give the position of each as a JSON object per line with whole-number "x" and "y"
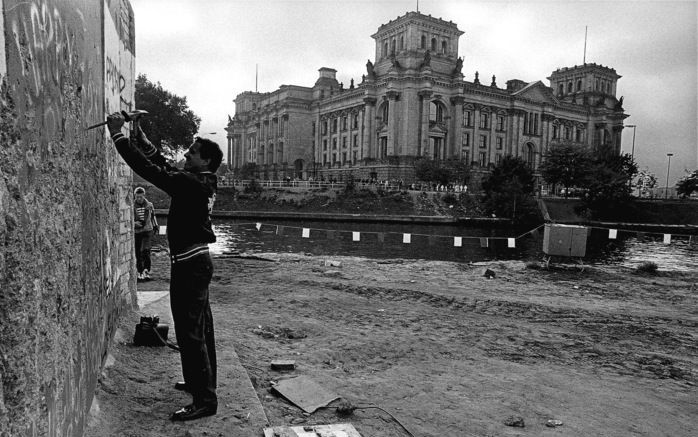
{"x": 210, "y": 150}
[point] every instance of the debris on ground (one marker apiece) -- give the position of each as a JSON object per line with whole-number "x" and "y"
{"x": 275, "y": 332}
{"x": 339, "y": 429}
{"x": 330, "y": 263}
{"x": 283, "y": 365}
{"x": 552, "y": 423}
{"x": 489, "y": 274}
{"x": 304, "y": 393}
{"x": 515, "y": 421}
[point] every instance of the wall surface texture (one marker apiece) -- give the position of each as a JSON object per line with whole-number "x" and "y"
{"x": 65, "y": 221}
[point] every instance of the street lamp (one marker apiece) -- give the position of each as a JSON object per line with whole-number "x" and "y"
{"x": 666, "y": 189}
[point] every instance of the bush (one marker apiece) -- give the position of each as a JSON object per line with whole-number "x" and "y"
{"x": 253, "y": 187}
{"x": 647, "y": 267}
{"x": 449, "y": 198}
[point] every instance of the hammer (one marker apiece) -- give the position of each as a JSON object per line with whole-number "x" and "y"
{"x": 128, "y": 116}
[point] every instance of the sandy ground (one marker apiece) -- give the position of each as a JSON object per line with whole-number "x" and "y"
{"x": 606, "y": 351}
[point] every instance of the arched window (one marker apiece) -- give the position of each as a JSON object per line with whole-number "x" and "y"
{"x": 402, "y": 43}
{"x": 436, "y": 112}
{"x": 433, "y": 45}
{"x": 530, "y": 154}
{"x": 608, "y": 88}
{"x": 561, "y": 89}
{"x": 385, "y": 111}
{"x": 569, "y": 87}
{"x": 424, "y": 42}
{"x": 392, "y": 46}
{"x": 385, "y": 49}
{"x": 579, "y": 85}
{"x": 443, "y": 47}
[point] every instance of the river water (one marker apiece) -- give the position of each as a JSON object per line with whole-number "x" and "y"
{"x": 437, "y": 242}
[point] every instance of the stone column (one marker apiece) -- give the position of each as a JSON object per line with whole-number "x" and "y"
{"x": 362, "y": 128}
{"x": 369, "y": 133}
{"x": 493, "y": 137}
{"x": 258, "y": 139}
{"x": 546, "y": 138}
{"x": 476, "y": 133}
{"x": 456, "y": 127}
{"x": 518, "y": 132}
{"x": 590, "y": 132}
{"x": 424, "y": 131}
{"x": 392, "y": 120}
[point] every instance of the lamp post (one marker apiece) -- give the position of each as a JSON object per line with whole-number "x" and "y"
{"x": 666, "y": 189}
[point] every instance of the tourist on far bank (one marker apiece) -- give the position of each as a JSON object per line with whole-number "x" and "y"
{"x": 192, "y": 192}
{"x": 145, "y": 224}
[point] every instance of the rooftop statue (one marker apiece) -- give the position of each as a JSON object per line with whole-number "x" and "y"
{"x": 369, "y": 70}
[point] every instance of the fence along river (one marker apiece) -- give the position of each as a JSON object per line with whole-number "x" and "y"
{"x": 444, "y": 242}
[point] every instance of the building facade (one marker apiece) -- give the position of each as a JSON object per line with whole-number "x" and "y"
{"x": 413, "y": 102}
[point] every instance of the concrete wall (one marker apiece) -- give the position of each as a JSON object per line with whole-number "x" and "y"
{"x": 65, "y": 202}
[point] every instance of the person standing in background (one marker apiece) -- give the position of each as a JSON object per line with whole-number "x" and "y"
{"x": 145, "y": 225}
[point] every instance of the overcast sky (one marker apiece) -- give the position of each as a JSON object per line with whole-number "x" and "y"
{"x": 206, "y": 51}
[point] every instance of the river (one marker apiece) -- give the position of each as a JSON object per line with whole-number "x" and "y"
{"x": 437, "y": 242}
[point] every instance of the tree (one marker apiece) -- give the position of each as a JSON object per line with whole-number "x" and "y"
{"x": 645, "y": 182}
{"x": 248, "y": 171}
{"x": 429, "y": 170}
{"x": 508, "y": 190}
{"x": 222, "y": 169}
{"x": 170, "y": 124}
{"x": 566, "y": 165}
{"x": 687, "y": 184}
{"x": 459, "y": 170}
{"x": 608, "y": 190}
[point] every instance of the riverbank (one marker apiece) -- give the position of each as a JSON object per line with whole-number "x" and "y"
{"x": 448, "y": 352}
{"x": 426, "y": 207}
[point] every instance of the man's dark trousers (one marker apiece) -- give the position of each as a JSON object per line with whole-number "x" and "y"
{"x": 193, "y": 323}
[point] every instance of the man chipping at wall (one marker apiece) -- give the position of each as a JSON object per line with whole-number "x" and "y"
{"x": 192, "y": 192}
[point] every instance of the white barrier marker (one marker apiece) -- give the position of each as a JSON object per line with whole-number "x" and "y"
{"x": 407, "y": 238}
{"x": 458, "y": 241}
{"x": 306, "y": 232}
{"x": 356, "y": 236}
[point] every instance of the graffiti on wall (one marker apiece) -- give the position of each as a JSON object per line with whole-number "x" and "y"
{"x": 119, "y": 62}
{"x": 46, "y": 46}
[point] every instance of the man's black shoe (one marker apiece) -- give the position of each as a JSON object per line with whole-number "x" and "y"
{"x": 181, "y": 386}
{"x": 192, "y": 412}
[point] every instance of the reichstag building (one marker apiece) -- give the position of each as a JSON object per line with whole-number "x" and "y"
{"x": 412, "y": 102}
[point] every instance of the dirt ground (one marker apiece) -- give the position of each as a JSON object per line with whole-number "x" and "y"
{"x": 606, "y": 351}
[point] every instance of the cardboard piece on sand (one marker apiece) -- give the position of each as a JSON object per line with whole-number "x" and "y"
{"x": 304, "y": 393}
